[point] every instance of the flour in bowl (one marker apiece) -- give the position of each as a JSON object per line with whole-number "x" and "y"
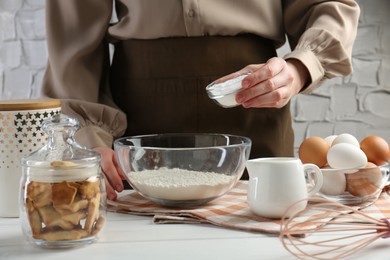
{"x": 180, "y": 184}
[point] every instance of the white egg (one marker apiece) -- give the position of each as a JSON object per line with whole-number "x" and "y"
{"x": 346, "y": 156}
{"x": 334, "y": 183}
{"x": 346, "y": 138}
{"x": 330, "y": 139}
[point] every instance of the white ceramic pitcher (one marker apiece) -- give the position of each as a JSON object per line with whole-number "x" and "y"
{"x": 277, "y": 183}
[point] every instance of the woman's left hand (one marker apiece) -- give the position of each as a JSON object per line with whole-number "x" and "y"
{"x": 112, "y": 172}
{"x": 271, "y": 84}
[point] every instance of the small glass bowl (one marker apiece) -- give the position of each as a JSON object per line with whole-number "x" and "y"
{"x": 354, "y": 186}
{"x": 224, "y": 93}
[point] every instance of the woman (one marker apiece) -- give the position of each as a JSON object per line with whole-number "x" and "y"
{"x": 166, "y": 52}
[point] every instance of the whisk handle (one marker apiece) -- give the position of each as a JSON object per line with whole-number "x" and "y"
{"x": 387, "y": 222}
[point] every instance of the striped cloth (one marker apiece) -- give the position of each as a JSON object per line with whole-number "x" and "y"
{"x": 381, "y": 207}
{"x": 229, "y": 211}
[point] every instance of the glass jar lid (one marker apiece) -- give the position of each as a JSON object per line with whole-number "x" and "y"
{"x": 62, "y": 155}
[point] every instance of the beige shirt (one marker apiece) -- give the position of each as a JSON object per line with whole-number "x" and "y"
{"x": 321, "y": 35}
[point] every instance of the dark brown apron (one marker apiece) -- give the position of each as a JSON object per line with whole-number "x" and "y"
{"x": 160, "y": 85}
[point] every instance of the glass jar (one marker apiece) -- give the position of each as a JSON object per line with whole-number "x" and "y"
{"x": 62, "y": 196}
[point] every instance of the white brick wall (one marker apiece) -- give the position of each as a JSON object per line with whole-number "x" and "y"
{"x": 358, "y": 104}
{"x": 22, "y": 48}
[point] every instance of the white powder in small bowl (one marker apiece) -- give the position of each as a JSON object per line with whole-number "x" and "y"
{"x": 180, "y": 184}
{"x": 224, "y": 93}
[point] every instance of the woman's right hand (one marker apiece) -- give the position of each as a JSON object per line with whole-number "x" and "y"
{"x": 111, "y": 169}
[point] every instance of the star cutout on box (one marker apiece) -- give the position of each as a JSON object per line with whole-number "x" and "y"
{"x": 19, "y": 116}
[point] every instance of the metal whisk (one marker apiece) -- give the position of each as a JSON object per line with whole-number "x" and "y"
{"x": 309, "y": 238}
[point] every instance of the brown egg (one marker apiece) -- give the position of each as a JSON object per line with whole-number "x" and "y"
{"x": 365, "y": 182}
{"x": 314, "y": 150}
{"x": 376, "y": 149}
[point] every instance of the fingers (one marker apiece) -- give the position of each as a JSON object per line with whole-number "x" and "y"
{"x": 263, "y": 72}
{"x": 119, "y": 169}
{"x": 276, "y": 99}
{"x": 268, "y": 86}
{"x": 112, "y": 174}
{"x": 111, "y": 194}
{"x": 111, "y": 171}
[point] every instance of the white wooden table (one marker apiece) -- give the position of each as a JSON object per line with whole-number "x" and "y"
{"x": 137, "y": 237}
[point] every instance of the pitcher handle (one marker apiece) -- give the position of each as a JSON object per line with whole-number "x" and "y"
{"x": 310, "y": 168}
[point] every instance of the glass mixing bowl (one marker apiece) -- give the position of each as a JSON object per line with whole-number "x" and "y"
{"x": 182, "y": 170}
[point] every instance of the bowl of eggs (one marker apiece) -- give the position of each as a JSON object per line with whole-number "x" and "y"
{"x": 353, "y": 171}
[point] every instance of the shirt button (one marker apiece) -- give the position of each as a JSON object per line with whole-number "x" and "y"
{"x": 191, "y": 13}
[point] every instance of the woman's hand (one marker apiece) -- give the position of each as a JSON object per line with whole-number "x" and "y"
{"x": 271, "y": 84}
{"x": 113, "y": 173}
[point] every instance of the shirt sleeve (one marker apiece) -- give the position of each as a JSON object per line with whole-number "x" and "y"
{"x": 321, "y": 35}
{"x": 77, "y": 69}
